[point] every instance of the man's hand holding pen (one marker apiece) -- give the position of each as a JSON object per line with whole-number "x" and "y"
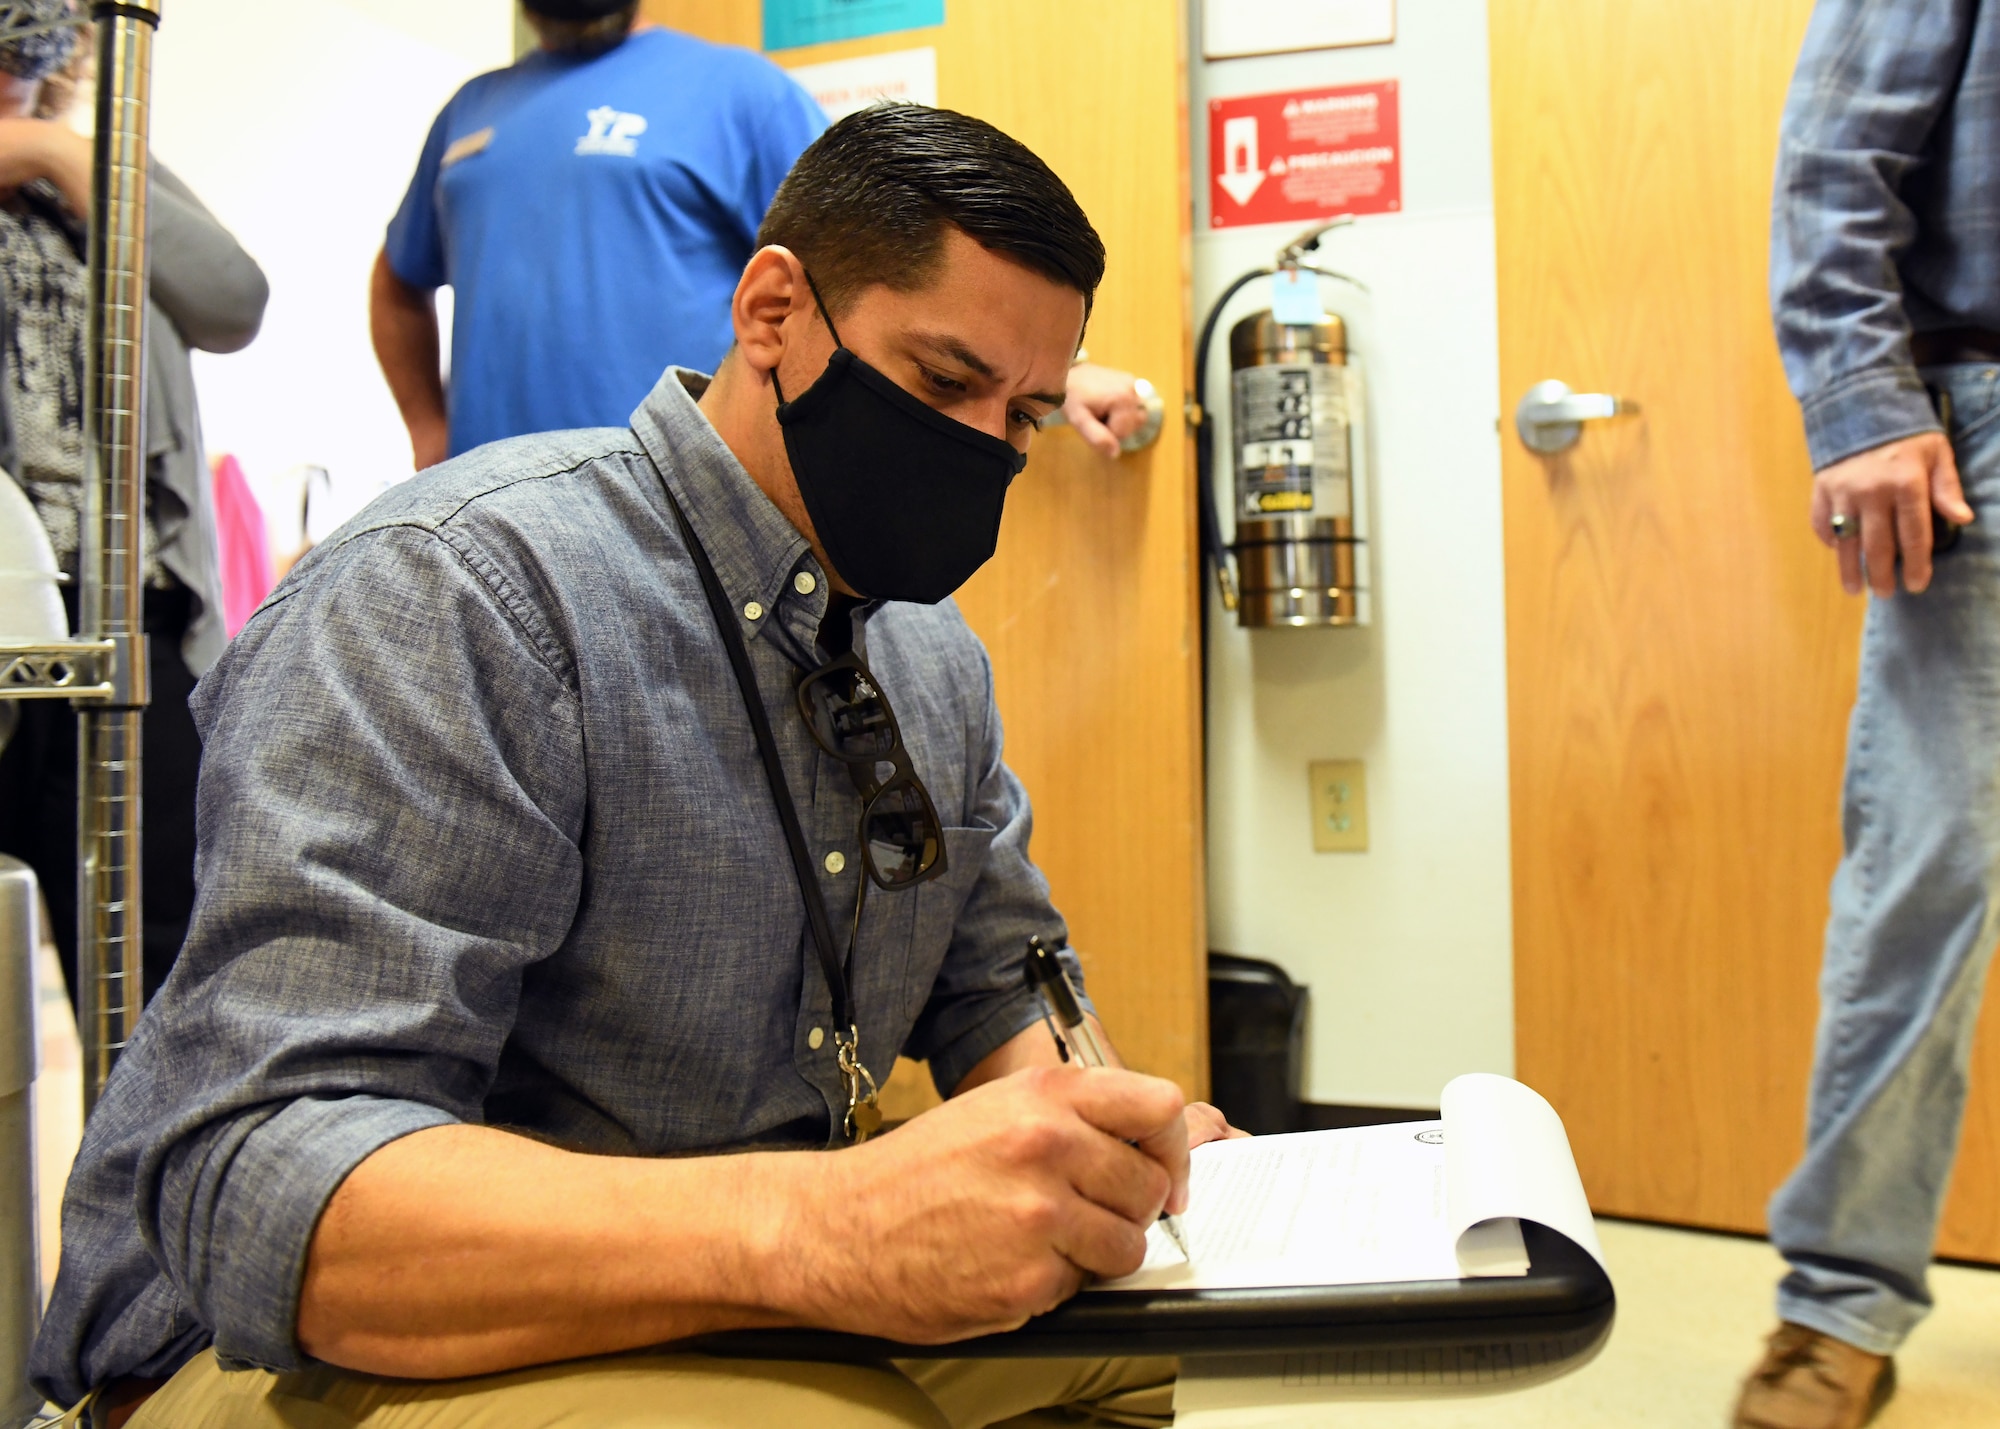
{"x": 992, "y": 1207}
{"x": 1001, "y": 1203}
{"x": 1077, "y": 1038}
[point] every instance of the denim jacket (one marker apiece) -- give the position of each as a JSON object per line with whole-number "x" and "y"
{"x": 1886, "y": 214}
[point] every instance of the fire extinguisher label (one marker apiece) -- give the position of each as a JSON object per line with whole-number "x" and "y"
{"x": 1290, "y": 424}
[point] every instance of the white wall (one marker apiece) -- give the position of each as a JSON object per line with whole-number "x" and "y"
{"x": 1407, "y": 947}
{"x": 299, "y": 122}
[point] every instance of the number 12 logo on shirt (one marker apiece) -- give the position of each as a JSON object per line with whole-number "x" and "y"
{"x": 612, "y": 131}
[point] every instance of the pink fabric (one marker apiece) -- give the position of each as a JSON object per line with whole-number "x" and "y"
{"x": 244, "y": 548}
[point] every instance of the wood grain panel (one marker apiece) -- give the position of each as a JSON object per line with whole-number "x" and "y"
{"x": 1681, "y": 661}
{"x": 1971, "y": 1226}
{"x": 1089, "y": 608}
{"x": 727, "y": 22}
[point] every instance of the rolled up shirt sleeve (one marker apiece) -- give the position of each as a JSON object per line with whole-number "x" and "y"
{"x": 390, "y": 802}
{"x": 978, "y": 1001}
{"x": 1871, "y": 82}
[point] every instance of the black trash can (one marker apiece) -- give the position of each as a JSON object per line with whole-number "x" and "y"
{"x": 1256, "y": 1043}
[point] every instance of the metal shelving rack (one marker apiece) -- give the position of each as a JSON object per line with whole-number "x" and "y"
{"x": 103, "y": 670}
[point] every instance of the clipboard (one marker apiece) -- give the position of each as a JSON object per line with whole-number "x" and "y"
{"x": 1506, "y": 1164}
{"x": 1509, "y": 1330}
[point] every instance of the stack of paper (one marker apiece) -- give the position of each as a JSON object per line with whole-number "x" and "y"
{"x": 1434, "y": 1200}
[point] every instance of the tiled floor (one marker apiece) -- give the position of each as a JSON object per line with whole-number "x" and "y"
{"x": 1692, "y": 1310}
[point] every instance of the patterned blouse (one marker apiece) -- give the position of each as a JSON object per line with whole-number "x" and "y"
{"x": 48, "y": 302}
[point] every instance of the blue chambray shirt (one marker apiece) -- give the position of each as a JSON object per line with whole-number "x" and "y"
{"x": 484, "y": 837}
{"x": 1886, "y": 216}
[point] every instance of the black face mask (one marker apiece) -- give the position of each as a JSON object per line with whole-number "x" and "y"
{"x": 906, "y": 501}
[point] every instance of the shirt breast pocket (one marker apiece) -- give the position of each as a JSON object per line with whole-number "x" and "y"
{"x": 938, "y": 906}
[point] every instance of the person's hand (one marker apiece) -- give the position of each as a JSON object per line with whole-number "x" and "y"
{"x": 1888, "y": 493}
{"x": 1104, "y": 405}
{"x": 429, "y": 442}
{"x": 33, "y": 149}
{"x": 988, "y": 1209}
{"x": 1207, "y": 1123}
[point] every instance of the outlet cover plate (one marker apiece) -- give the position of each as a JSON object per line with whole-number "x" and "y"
{"x": 1339, "y": 805}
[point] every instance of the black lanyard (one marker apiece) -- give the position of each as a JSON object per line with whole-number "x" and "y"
{"x": 863, "y": 1117}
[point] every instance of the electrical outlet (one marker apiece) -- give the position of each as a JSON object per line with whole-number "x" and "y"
{"x": 1339, "y": 805}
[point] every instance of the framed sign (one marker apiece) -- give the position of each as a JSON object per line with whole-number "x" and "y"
{"x": 1230, "y": 28}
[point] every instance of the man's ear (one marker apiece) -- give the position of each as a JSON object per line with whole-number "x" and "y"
{"x": 772, "y": 288}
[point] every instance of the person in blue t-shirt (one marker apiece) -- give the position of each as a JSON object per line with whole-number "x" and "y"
{"x": 592, "y": 206}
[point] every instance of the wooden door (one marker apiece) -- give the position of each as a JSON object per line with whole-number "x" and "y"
{"x": 1681, "y": 661}
{"x": 1089, "y": 608}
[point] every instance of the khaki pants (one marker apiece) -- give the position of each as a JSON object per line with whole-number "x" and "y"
{"x": 669, "y": 1391}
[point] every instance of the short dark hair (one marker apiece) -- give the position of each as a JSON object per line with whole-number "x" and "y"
{"x": 580, "y": 36}
{"x": 868, "y": 202}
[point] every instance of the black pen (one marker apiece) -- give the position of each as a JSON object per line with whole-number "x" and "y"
{"x": 1046, "y": 977}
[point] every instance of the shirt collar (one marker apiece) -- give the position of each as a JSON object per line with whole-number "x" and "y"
{"x": 758, "y": 555}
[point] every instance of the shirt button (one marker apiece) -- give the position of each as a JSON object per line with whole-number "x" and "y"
{"x": 804, "y": 583}
{"x": 836, "y": 861}
{"x": 753, "y": 611}
{"x": 814, "y": 1038}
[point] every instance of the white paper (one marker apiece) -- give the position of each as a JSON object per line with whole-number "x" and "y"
{"x": 843, "y": 86}
{"x": 1439, "y": 1200}
{"x": 1267, "y": 27}
{"x": 1507, "y": 1154}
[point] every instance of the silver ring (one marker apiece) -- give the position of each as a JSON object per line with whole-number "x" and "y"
{"x": 1842, "y": 526}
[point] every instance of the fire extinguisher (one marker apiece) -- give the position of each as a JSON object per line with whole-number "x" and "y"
{"x": 1300, "y": 550}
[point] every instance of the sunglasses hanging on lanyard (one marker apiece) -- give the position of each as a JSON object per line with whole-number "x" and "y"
{"x": 902, "y": 841}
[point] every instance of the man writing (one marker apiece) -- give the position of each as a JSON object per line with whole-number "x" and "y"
{"x": 499, "y": 940}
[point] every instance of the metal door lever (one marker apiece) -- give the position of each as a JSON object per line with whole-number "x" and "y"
{"x": 1148, "y": 431}
{"x": 1551, "y": 417}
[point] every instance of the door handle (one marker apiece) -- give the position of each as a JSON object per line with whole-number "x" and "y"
{"x": 1147, "y": 431}
{"x": 1150, "y": 402}
{"x": 1551, "y": 417}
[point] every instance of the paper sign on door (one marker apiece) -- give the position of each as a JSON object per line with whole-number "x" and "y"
{"x": 1304, "y": 154}
{"x": 790, "y": 23}
{"x": 843, "y": 86}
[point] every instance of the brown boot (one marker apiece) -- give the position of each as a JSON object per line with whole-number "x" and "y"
{"x": 1813, "y": 1381}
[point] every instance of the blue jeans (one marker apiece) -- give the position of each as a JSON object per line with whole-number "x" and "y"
{"x": 1912, "y": 927}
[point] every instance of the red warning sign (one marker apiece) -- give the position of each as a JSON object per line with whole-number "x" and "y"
{"x": 1304, "y": 154}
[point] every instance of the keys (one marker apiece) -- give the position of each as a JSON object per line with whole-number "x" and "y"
{"x": 864, "y": 1117}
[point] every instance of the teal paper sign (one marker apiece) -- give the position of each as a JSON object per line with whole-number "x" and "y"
{"x": 790, "y": 23}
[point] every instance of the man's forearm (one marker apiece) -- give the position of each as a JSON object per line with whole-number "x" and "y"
{"x": 402, "y": 321}
{"x": 462, "y": 1250}
{"x": 465, "y": 1250}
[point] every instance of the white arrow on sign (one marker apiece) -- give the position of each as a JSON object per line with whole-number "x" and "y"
{"x": 1240, "y": 174}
